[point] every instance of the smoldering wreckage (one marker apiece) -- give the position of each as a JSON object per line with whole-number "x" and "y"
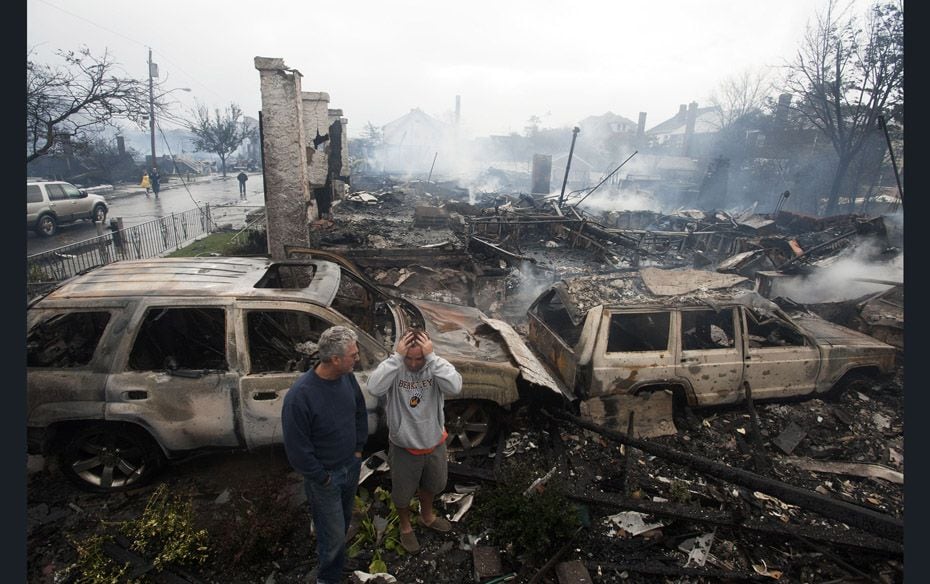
{"x": 684, "y": 481}
{"x": 654, "y": 397}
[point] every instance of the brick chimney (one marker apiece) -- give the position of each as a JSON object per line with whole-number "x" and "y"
{"x": 781, "y": 111}
{"x": 641, "y": 126}
{"x": 689, "y": 127}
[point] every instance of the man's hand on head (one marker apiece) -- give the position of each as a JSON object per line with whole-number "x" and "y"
{"x": 425, "y": 342}
{"x": 405, "y": 342}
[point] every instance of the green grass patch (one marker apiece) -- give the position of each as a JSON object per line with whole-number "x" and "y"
{"x": 225, "y": 243}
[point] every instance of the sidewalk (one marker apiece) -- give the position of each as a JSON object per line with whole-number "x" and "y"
{"x": 128, "y": 190}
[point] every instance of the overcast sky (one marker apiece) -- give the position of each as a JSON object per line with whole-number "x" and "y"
{"x": 507, "y": 59}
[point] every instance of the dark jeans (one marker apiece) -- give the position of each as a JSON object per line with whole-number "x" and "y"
{"x": 331, "y": 507}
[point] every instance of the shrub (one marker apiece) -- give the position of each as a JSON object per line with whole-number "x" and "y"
{"x": 535, "y": 525}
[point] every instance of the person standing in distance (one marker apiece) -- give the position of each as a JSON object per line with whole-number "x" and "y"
{"x": 416, "y": 382}
{"x": 155, "y": 179}
{"x": 325, "y": 425}
{"x": 242, "y": 177}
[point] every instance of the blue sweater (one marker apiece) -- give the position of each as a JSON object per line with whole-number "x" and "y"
{"x": 324, "y": 424}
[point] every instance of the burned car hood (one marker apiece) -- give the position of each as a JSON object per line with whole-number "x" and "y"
{"x": 465, "y": 333}
{"x": 833, "y": 334}
{"x": 458, "y": 332}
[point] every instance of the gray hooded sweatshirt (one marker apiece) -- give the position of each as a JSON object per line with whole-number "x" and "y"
{"x": 415, "y": 399}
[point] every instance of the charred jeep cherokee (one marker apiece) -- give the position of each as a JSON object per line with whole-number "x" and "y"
{"x": 695, "y": 333}
{"x": 142, "y": 361}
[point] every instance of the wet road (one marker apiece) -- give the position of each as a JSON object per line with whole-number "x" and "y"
{"x": 137, "y": 208}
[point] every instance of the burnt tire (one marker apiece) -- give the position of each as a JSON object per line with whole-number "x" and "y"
{"x": 470, "y": 423}
{"x": 110, "y": 458}
{"x": 852, "y": 381}
{"x": 46, "y": 226}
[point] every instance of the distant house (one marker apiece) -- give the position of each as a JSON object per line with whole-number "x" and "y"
{"x": 411, "y": 141}
{"x": 600, "y": 129}
{"x": 689, "y": 131}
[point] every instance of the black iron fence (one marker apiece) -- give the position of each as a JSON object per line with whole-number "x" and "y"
{"x": 151, "y": 239}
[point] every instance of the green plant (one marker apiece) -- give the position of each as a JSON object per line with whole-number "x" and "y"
{"x": 377, "y": 531}
{"x": 166, "y": 529}
{"x": 93, "y": 566}
{"x": 535, "y": 524}
{"x": 164, "y": 534}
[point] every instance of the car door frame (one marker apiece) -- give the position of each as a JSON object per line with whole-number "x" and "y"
{"x": 618, "y": 372}
{"x": 182, "y": 413}
{"x": 715, "y": 374}
{"x": 778, "y": 372}
{"x": 261, "y": 395}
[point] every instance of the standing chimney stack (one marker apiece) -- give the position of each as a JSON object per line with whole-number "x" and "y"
{"x": 458, "y": 109}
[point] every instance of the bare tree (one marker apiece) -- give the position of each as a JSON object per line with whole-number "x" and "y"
{"x": 846, "y": 76}
{"x": 220, "y": 134}
{"x": 740, "y": 95}
{"x": 83, "y": 94}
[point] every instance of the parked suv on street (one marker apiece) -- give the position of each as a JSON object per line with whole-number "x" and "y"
{"x": 52, "y": 203}
{"x": 672, "y": 332}
{"x": 140, "y": 361}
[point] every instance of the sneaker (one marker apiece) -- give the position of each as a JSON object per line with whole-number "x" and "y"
{"x": 409, "y": 542}
{"x": 439, "y": 524}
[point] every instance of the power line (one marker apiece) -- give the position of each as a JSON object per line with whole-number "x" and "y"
{"x": 132, "y": 40}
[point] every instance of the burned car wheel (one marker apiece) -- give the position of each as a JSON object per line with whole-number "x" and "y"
{"x": 107, "y": 459}
{"x": 470, "y": 424}
{"x": 852, "y": 381}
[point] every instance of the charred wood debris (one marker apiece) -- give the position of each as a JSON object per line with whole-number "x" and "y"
{"x": 796, "y": 491}
{"x": 801, "y": 491}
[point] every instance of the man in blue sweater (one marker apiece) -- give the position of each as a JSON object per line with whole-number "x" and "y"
{"x": 325, "y": 427}
{"x": 416, "y": 380}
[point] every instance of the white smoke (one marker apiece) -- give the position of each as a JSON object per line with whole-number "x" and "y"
{"x": 625, "y": 200}
{"x": 840, "y": 280}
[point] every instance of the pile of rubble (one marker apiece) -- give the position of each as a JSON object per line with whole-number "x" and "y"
{"x": 792, "y": 491}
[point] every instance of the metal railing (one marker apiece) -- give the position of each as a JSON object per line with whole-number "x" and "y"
{"x": 154, "y": 238}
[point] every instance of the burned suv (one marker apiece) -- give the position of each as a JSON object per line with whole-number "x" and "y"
{"x": 695, "y": 334}
{"x": 141, "y": 361}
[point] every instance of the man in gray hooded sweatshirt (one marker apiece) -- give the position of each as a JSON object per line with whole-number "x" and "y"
{"x": 416, "y": 380}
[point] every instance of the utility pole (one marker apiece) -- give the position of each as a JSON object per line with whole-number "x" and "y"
{"x": 152, "y": 67}
{"x": 568, "y": 165}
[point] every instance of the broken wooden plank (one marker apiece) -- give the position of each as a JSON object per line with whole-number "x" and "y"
{"x": 866, "y": 519}
{"x": 865, "y": 470}
{"x": 789, "y": 438}
{"x": 487, "y": 246}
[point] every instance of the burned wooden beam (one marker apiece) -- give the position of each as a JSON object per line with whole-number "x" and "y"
{"x": 489, "y": 247}
{"x": 665, "y": 570}
{"x": 854, "y": 515}
{"x": 852, "y": 538}
{"x": 760, "y": 460}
